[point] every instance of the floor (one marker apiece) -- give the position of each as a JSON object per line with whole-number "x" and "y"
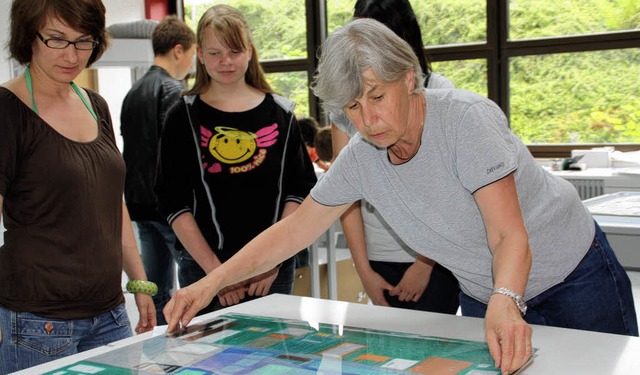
{"x": 633, "y": 275}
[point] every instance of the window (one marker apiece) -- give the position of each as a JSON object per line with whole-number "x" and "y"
{"x": 292, "y": 85}
{"x": 451, "y": 22}
{"x": 275, "y": 24}
{"x": 565, "y": 72}
{"x": 470, "y": 74}
{"x": 540, "y": 19}
{"x": 580, "y": 97}
{"x": 573, "y": 71}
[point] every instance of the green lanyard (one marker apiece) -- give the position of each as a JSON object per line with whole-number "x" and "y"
{"x": 27, "y": 76}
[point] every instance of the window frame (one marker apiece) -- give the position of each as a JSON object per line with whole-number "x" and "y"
{"x": 497, "y": 50}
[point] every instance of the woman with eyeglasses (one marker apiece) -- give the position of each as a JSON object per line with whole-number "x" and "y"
{"x": 68, "y": 234}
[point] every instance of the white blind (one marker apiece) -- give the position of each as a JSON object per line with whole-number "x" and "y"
{"x": 123, "y": 10}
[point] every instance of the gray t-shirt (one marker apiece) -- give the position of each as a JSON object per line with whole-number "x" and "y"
{"x": 428, "y": 201}
{"x": 383, "y": 245}
{"x": 438, "y": 81}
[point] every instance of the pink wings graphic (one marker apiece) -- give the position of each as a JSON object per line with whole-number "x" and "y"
{"x": 205, "y": 136}
{"x": 267, "y": 136}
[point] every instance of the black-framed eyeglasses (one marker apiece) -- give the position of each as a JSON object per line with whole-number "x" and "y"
{"x": 57, "y": 43}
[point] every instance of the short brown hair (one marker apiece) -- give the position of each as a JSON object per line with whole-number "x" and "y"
{"x": 170, "y": 32}
{"x": 324, "y": 144}
{"x": 309, "y": 127}
{"x": 29, "y": 16}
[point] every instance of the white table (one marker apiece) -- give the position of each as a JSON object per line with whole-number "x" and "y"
{"x": 623, "y": 231}
{"x": 561, "y": 351}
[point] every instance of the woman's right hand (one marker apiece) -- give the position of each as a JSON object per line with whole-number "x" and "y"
{"x": 508, "y": 335}
{"x": 186, "y": 302}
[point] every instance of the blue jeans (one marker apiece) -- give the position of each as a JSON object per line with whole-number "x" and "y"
{"x": 159, "y": 256}
{"x": 29, "y": 340}
{"x": 190, "y": 272}
{"x": 596, "y": 296}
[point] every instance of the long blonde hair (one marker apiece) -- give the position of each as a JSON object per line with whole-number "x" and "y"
{"x": 232, "y": 29}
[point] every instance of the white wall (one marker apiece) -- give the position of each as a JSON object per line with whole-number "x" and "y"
{"x": 5, "y": 68}
{"x": 114, "y": 82}
{"x": 123, "y": 10}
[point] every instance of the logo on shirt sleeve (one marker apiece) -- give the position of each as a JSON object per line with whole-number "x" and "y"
{"x": 495, "y": 168}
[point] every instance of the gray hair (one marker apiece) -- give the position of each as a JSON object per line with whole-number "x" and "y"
{"x": 347, "y": 53}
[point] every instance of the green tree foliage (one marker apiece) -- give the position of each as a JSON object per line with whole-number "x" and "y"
{"x": 465, "y": 74}
{"x": 593, "y": 94}
{"x": 534, "y": 19}
{"x": 590, "y": 93}
{"x": 451, "y": 22}
{"x": 278, "y": 27}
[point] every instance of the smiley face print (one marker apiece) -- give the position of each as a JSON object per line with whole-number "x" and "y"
{"x": 232, "y": 146}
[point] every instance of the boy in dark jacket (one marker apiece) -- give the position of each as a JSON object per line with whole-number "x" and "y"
{"x": 142, "y": 120}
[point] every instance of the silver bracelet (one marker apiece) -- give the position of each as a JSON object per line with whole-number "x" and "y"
{"x": 520, "y": 302}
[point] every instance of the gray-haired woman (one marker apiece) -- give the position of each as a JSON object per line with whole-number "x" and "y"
{"x": 444, "y": 169}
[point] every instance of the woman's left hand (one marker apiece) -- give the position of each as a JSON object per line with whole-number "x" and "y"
{"x": 147, "y": 310}
{"x": 507, "y": 334}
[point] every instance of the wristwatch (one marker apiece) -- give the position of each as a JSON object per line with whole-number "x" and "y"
{"x": 520, "y": 302}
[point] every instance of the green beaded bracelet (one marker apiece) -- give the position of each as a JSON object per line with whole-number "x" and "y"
{"x": 141, "y": 286}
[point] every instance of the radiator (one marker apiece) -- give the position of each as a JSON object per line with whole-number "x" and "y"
{"x": 588, "y": 188}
